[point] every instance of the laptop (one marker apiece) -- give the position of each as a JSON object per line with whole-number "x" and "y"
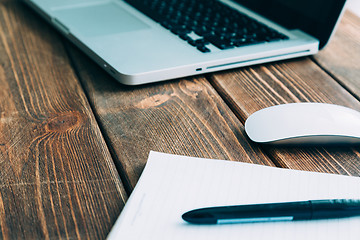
{"x": 144, "y": 41}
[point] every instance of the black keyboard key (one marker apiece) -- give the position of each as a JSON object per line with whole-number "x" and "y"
{"x": 184, "y": 37}
{"x": 220, "y": 42}
{"x": 180, "y": 30}
{"x": 192, "y": 42}
{"x": 201, "y": 41}
{"x": 247, "y": 43}
{"x": 203, "y": 48}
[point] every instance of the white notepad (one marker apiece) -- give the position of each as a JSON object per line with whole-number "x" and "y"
{"x": 171, "y": 185}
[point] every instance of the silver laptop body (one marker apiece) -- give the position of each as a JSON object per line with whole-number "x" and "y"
{"x": 135, "y": 49}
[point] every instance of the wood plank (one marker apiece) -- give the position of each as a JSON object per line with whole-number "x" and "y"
{"x": 250, "y": 89}
{"x": 341, "y": 57}
{"x": 184, "y": 117}
{"x": 57, "y": 177}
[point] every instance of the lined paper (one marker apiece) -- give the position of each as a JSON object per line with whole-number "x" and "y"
{"x": 171, "y": 185}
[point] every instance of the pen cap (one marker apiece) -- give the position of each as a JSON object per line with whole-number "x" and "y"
{"x": 199, "y": 217}
{"x": 337, "y": 208}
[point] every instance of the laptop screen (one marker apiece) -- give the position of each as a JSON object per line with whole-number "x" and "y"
{"x": 315, "y": 17}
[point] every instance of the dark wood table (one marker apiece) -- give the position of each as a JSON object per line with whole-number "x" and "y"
{"x": 73, "y": 142}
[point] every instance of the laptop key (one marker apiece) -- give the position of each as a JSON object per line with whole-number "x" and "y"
{"x": 201, "y": 41}
{"x": 192, "y": 42}
{"x": 203, "y": 48}
{"x": 219, "y": 42}
{"x": 184, "y": 37}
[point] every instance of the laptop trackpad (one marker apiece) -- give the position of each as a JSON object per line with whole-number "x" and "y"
{"x": 100, "y": 19}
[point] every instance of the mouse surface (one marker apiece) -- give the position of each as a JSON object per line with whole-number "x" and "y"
{"x": 304, "y": 123}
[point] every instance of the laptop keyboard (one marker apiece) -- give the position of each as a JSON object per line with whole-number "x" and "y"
{"x": 203, "y": 23}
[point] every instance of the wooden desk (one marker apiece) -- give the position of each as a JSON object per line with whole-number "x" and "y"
{"x": 73, "y": 142}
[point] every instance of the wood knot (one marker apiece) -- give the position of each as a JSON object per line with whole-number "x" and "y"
{"x": 64, "y": 122}
{"x": 191, "y": 88}
{"x": 194, "y": 86}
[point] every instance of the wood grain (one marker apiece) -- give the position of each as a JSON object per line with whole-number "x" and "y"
{"x": 184, "y": 117}
{"x": 301, "y": 80}
{"x": 57, "y": 178}
{"x": 341, "y": 57}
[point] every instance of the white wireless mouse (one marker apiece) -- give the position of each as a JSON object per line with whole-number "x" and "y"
{"x": 304, "y": 123}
